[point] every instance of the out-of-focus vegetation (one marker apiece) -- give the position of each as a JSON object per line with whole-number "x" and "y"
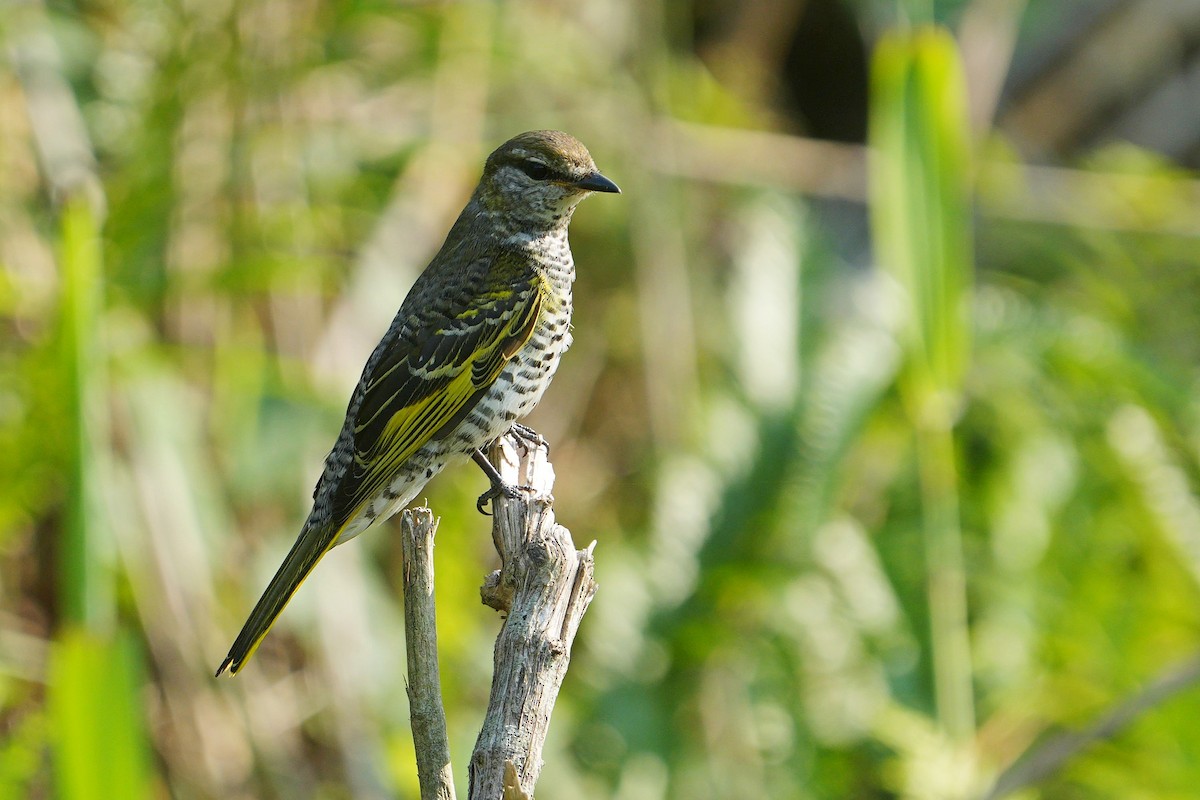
{"x": 912, "y": 516}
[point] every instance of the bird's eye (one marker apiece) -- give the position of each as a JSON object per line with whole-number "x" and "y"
{"x": 535, "y": 169}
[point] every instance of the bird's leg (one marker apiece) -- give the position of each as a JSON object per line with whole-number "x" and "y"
{"x": 529, "y": 437}
{"x": 499, "y": 485}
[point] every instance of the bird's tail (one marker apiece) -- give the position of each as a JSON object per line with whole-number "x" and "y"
{"x": 311, "y": 545}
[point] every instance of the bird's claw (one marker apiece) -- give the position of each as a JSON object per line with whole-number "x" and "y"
{"x": 529, "y": 438}
{"x": 497, "y": 489}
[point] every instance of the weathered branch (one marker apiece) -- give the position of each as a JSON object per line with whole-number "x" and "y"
{"x": 544, "y": 585}
{"x": 426, "y": 713}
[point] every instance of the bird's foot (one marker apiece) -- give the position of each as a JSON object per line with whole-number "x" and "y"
{"x": 529, "y": 438}
{"x": 499, "y": 488}
{"x": 499, "y": 485}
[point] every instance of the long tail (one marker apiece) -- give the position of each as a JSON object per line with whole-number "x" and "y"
{"x": 310, "y": 547}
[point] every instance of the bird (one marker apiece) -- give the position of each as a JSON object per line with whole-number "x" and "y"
{"x": 469, "y": 353}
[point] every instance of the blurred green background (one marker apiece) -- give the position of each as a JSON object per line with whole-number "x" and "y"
{"x": 890, "y": 458}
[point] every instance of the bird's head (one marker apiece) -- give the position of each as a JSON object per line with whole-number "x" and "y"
{"x": 539, "y": 177}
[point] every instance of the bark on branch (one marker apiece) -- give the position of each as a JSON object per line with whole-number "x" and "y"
{"x": 543, "y": 587}
{"x": 426, "y": 713}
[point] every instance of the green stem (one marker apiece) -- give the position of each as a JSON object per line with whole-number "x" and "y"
{"x": 82, "y": 591}
{"x": 946, "y": 588}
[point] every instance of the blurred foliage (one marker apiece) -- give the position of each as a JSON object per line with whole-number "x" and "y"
{"x": 267, "y": 177}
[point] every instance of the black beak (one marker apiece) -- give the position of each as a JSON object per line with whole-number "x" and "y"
{"x": 598, "y": 183}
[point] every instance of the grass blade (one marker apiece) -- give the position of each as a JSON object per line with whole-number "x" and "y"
{"x": 920, "y": 174}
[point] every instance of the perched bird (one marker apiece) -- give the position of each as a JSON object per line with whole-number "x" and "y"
{"x": 471, "y": 350}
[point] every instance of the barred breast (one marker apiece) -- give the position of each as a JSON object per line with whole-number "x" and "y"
{"x": 519, "y": 387}
{"x": 523, "y": 382}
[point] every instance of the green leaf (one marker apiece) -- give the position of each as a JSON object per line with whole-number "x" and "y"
{"x": 919, "y": 193}
{"x": 98, "y": 736}
{"x": 920, "y": 213}
{"x": 85, "y": 598}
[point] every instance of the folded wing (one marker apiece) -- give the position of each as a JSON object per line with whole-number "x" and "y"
{"x": 430, "y": 379}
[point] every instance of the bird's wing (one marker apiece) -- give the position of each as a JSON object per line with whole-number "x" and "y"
{"x": 430, "y": 378}
{"x": 430, "y": 375}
